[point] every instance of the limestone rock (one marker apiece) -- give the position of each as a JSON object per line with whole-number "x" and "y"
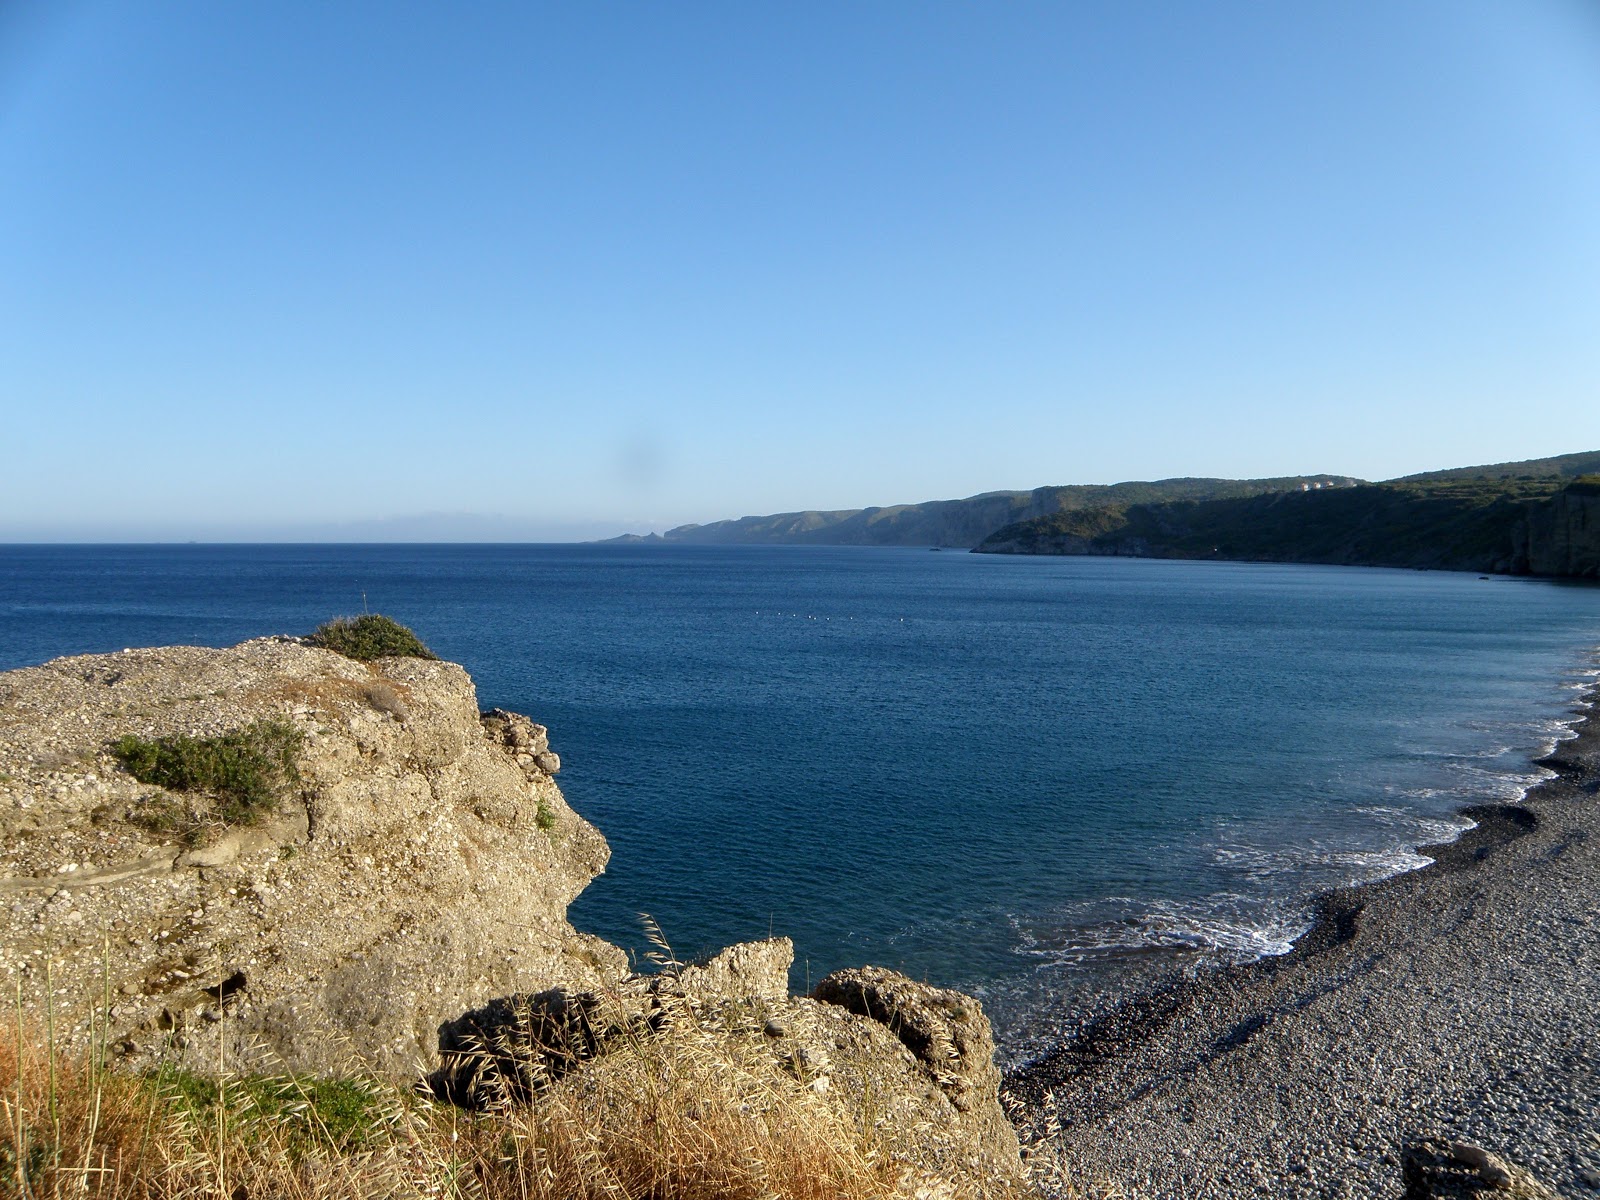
{"x": 748, "y": 971}
{"x": 945, "y": 1030}
{"x": 948, "y": 1044}
{"x": 412, "y": 873}
{"x": 935, "y": 1109}
{"x": 514, "y": 1046}
{"x": 528, "y": 743}
{"x": 405, "y": 881}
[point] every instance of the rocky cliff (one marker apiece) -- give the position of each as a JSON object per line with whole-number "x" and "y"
{"x": 424, "y": 860}
{"x": 1563, "y": 536}
{"x": 404, "y": 894}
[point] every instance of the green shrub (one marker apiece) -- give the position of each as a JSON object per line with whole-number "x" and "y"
{"x": 245, "y": 770}
{"x": 370, "y": 636}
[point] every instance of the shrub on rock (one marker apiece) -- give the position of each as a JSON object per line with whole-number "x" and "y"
{"x": 370, "y": 636}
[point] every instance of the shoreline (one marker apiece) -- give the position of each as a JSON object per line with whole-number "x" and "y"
{"x": 1452, "y": 1000}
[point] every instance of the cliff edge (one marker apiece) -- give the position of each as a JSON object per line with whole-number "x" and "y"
{"x": 422, "y": 860}
{"x": 382, "y": 890}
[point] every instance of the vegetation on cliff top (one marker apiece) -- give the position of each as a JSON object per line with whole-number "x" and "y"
{"x": 368, "y": 637}
{"x": 245, "y": 770}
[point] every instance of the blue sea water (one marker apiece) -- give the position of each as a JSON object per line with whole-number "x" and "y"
{"x": 1028, "y": 777}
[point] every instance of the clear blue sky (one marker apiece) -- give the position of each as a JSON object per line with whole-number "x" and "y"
{"x": 271, "y": 267}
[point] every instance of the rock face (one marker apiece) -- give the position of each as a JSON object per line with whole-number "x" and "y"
{"x": 1562, "y": 537}
{"x": 944, "y": 1079}
{"x": 911, "y": 1066}
{"x": 1468, "y": 528}
{"x": 404, "y": 900}
{"x": 425, "y": 862}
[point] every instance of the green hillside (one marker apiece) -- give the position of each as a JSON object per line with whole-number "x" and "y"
{"x": 1565, "y": 466}
{"x": 1475, "y": 518}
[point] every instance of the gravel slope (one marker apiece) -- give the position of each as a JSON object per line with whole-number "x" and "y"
{"x": 1461, "y": 1000}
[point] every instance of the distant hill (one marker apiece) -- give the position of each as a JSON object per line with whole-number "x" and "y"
{"x": 1564, "y": 466}
{"x": 966, "y": 523}
{"x": 1536, "y": 517}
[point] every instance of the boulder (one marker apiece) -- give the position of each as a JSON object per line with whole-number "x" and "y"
{"x": 747, "y": 971}
{"x": 1439, "y": 1169}
{"x": 947, "y": 1085}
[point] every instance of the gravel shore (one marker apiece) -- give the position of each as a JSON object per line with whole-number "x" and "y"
{"x": 1461, "y": 1000}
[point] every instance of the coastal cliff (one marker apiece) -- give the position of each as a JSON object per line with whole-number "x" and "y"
{"x": 394, "y": 904}
{"x": 1563, "y": 536}
{"x": 1510, "y": 526}
{"x": 419, "y": 864}
{"x": 962, "y": 523}
{"x": 1529, "y": 517}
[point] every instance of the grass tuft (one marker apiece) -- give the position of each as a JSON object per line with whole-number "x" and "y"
{"x": 368, "y": 637}
{"x": 245, "y": 770}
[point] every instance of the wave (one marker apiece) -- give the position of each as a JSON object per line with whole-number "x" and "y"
{"x": 1261, "y": 916}
{"x": 1229, "y": 925}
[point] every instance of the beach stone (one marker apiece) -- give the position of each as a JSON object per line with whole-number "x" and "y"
{"x": 1436, "y": 1169}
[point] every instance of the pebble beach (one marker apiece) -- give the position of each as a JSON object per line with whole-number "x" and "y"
{"x": 1460, "y": 1002}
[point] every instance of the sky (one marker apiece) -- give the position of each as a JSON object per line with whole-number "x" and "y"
{"x": 531, "y": 271}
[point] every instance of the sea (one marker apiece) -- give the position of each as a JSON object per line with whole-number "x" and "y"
{"x": 1040, "y": 780}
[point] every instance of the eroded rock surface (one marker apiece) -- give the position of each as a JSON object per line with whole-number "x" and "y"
{"x": 910, "y": 1065}
{"x": 423, "y": 863}
{"x": 405, "y": 897}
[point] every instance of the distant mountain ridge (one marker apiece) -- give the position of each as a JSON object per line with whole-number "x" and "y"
{"x": 1536, "y": 516}
{"x": 963, "y": 524}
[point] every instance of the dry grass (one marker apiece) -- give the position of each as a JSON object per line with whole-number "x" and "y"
{"x": 687, "y": 1115}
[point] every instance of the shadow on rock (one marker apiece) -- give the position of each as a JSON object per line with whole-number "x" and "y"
{"x": 515, "y": 1045}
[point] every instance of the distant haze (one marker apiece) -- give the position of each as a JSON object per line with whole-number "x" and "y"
{"x": 499, "y": 271}
{"x": 422, "y": 527}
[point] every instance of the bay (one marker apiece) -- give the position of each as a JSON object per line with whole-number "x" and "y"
{"x": 1032, "y": 778}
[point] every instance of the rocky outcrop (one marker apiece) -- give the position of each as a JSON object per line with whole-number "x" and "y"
{"x": 1562, "y": 536}
{"x": 945, "y": 1072}
{"x": 423, "y": 863}
{"x": 401, "y": 910}
{"x": 909, "y": 1066}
